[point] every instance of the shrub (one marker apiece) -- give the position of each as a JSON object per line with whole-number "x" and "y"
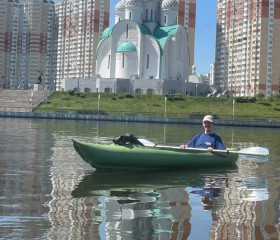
{"x": 245, "y": 99}
{"x": 66, "y": 98}
{"x": 174, "y": 97}
{"x": 83, "y": 95}
{"x": 129, "y": 95}
{"x": 71, "y": 92}
{"x": 156, "y": 105}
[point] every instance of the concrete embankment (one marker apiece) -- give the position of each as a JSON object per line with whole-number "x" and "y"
{"x": 123, "y": 118}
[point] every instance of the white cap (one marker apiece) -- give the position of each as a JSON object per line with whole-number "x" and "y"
{"x": 208, "y": 118}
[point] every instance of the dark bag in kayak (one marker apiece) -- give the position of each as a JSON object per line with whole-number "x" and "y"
{"x": 126, "y": 139}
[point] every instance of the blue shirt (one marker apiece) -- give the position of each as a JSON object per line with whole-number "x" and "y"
{"x": 207, "y": 140}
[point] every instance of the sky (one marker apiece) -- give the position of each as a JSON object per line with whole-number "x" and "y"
{"x": 205, "y": 33}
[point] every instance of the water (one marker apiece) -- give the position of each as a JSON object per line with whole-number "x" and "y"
{"x": 48, "y": 192}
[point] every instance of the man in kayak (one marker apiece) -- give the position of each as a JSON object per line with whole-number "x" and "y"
{"x": 207, "y": 139}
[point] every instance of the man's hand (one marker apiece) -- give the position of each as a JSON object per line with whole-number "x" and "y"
{"x": 210, "y": 149}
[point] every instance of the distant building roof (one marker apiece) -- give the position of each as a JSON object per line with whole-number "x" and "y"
{"x": 194, "y": 78}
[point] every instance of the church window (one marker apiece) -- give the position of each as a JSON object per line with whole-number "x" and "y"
{"x": 130, "y": 15}
{"x": 107, "y": 90}
{"x": 86, "y": 89}
{"x": 148, "y": 59}
{"x": 151, "y": 15}
{"x": 147, "y": 13}
{"x": 165, "y": 19}
{"x": 180, "y": 45}
{"x": 138, "y": 91}
{"x": 109, "y": 61}
{"x": 123, "y": 60}
{"x": 155, "y": 15}
{"x": 127, "y": 31}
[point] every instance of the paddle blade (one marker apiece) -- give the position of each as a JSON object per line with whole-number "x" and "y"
{"x": 257, "y": 154}
{"x": 258, "y": 151}
{"x": 146, "y": 142}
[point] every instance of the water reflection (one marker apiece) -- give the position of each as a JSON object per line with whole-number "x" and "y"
{"x": 158, "y": 205}
{"x": 48, "y": 192}
{"x": 136, "y": 206}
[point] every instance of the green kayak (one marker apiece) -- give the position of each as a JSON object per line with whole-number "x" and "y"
{"x": 133, "y": 156}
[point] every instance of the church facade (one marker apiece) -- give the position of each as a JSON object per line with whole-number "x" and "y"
{"x": 145, "y": 45}
{"x": 146, "y": 51}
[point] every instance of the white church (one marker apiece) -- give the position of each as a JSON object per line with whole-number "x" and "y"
{"x": 144, "y": 52}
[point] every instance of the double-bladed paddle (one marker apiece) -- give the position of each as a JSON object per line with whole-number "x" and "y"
{"x": 255, "y": 151}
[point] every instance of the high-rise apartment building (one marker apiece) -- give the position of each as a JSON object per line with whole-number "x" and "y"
{"x": 247, "y": 47}
{"x": 80, "y": 26}
{"x": 186, "y": 17}
{"x": 26, "y": 35}
{"x": 212, "y": 74}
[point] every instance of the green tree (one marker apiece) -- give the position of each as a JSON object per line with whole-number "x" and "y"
{"x": 260, "y": 96}
{"x": 276, "y": 97}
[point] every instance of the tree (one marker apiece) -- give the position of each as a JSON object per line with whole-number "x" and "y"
{"x": 260, "y": 96}
{"x": 276, "y": 97}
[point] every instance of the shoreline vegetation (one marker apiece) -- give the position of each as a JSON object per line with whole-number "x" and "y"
{"x": 169, "y": 106}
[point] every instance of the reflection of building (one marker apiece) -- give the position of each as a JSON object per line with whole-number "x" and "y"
{"x": 24, "y": 179}
{"x": 247, "y": 49}
{"x": 161, "y": 214}
{"x": 243, "y": 212}
{"x": 69, "y": 218}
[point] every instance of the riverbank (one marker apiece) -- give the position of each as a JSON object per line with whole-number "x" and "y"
{"x": 171, "y": 106}
{"x": 143, "y": 119}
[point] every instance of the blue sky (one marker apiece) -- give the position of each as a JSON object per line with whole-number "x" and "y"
{"x": 205, "y": 35}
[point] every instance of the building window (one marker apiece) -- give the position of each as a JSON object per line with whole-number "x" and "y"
{"x": 147, "y": 14}
{"x": 148, "y": 60}
{"x": 165, "y": 18}
{"x": 130, "y": 15}
{"x": 123, "y": 60}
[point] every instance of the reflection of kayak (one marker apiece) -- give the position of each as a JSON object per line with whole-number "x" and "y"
{"x": 121, "y": 182}
{"x": 133, "y": 156}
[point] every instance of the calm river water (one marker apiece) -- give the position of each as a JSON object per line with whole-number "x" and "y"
{"x": 48, "y": 192}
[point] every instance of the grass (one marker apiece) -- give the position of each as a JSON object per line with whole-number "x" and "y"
{"x": 154, "y": 105}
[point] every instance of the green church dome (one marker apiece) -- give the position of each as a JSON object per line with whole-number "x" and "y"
{"x": 126, "y": 47}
